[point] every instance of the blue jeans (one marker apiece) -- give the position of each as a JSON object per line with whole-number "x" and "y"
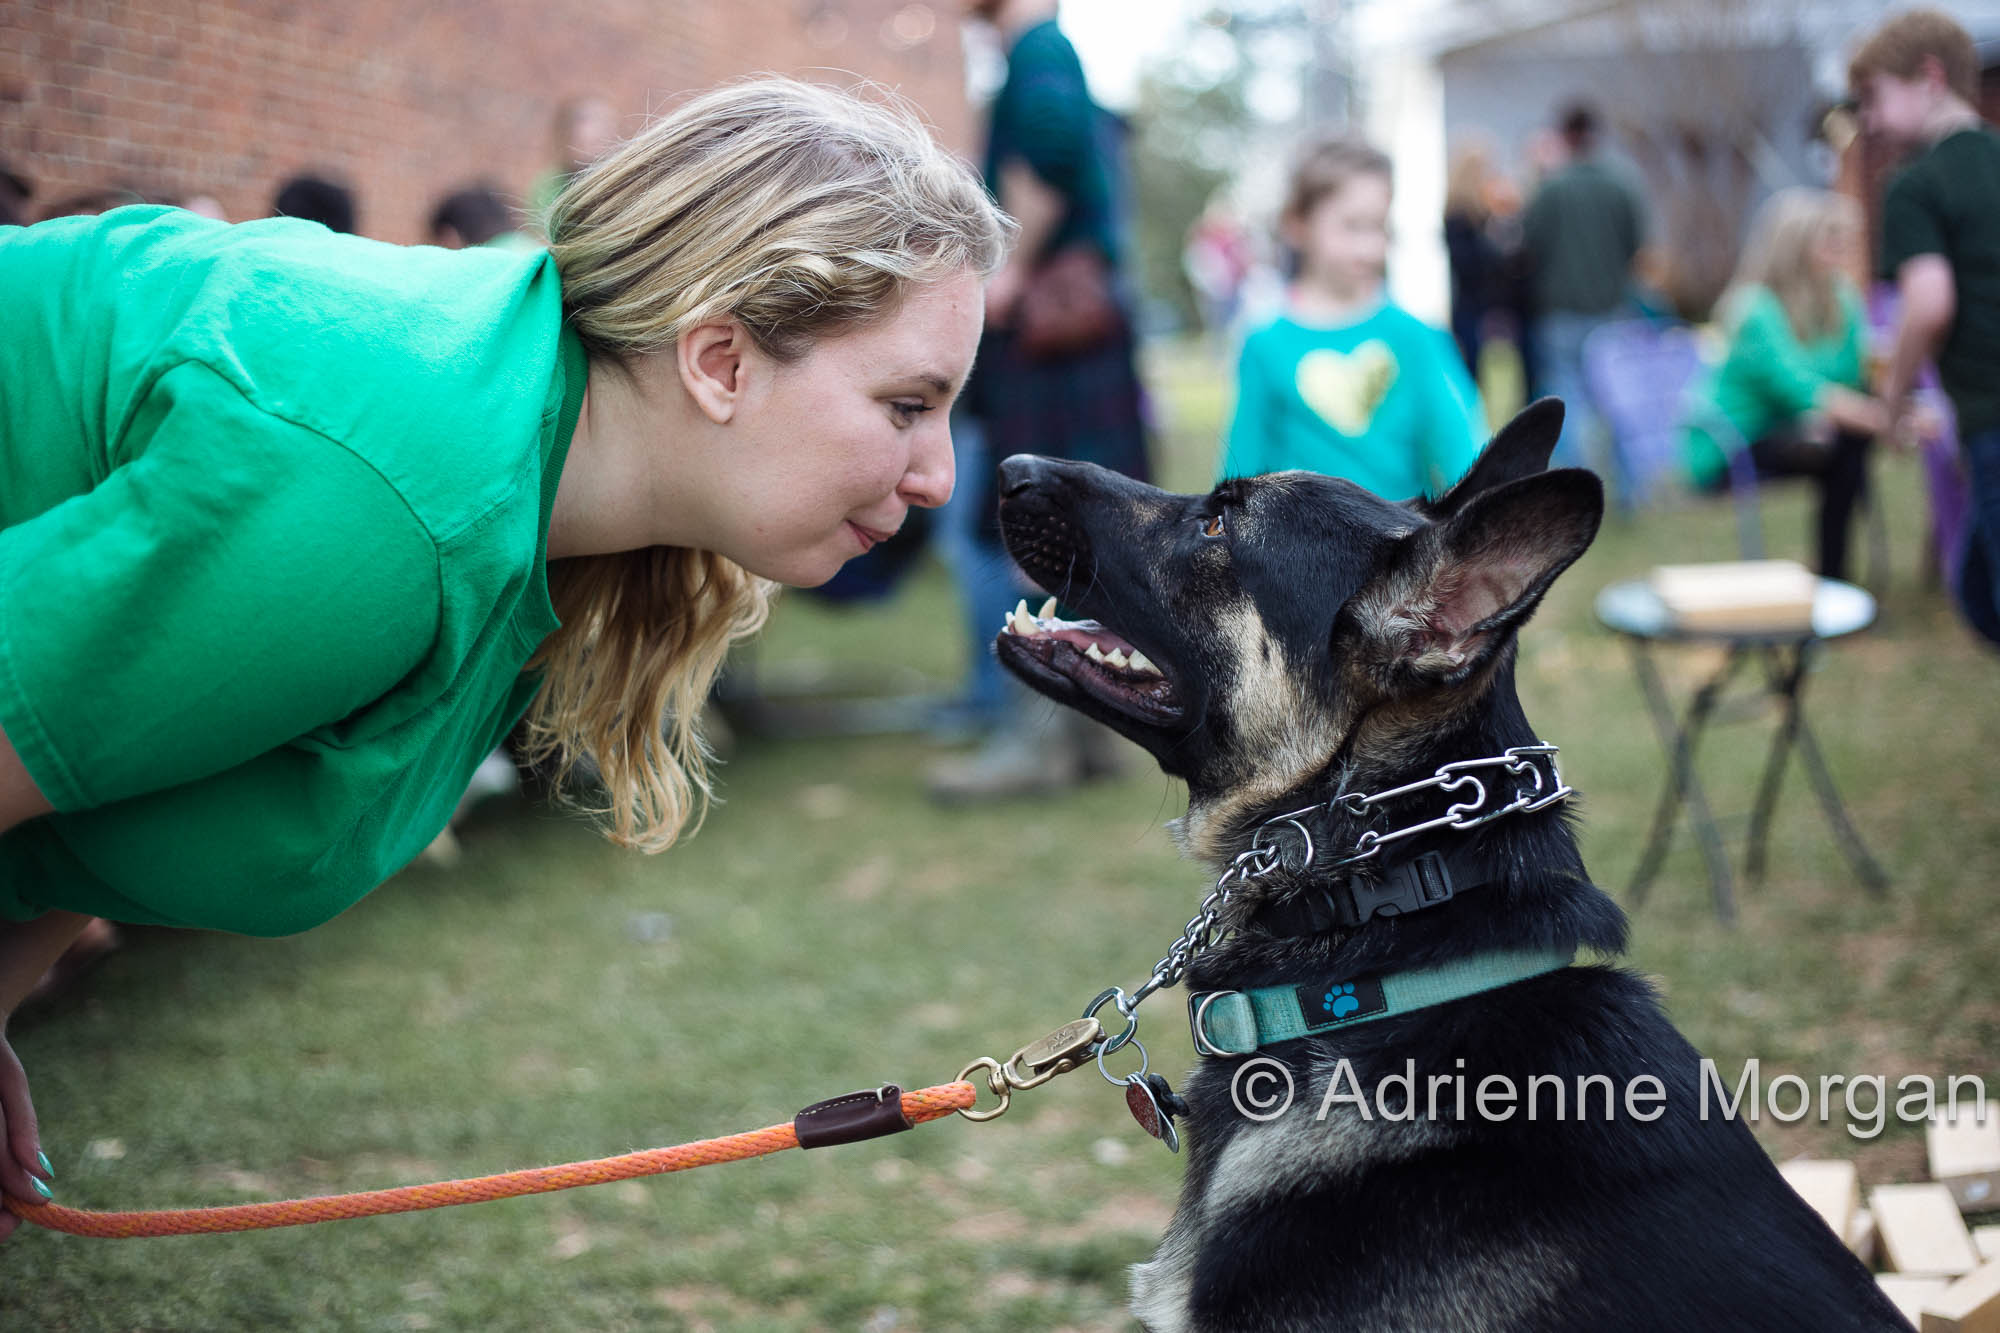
{"x": 987, "y": 587}
{"x": 1979, "y": 568}
{"x": 1559, "y": 336}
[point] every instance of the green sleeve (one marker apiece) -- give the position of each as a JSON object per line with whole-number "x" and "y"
{"x": 1455, "y": 428}
{"x": 1911, "y": 222}
{"x": 1049, "y": 111}
{"x": 239, "y": 583}
{"x": 1249, "y": 450}
{"x": 1768, "y": 357}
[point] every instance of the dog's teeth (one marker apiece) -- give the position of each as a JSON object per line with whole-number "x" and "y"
{"x": 1092, "y": 653}
{"x": 1023, "y": 626}
{"x": 1048, "y": 611}
{"x": 1140, "y": 662}
{"x": 1021, "y": 607}
{"x": 1116, "y": 657}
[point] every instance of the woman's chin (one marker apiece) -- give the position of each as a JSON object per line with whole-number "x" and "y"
{"x": 800, "y": 570}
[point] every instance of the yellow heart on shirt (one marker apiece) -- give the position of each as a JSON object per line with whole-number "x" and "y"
{"x": 1345, "y": 388}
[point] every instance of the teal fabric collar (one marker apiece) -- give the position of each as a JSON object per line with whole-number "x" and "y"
{"x": 1228, "y": 1022}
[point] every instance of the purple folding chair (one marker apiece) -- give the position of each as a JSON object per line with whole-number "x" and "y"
{"x": 1637, "y": 372}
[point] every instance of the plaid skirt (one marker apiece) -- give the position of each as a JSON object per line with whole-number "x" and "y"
{"x": 1086, "y": 408}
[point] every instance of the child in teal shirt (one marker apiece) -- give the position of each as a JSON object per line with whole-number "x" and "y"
{"x": 1345, "y": 382}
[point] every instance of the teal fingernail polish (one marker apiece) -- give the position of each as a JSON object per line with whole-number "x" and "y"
{"x": 43, "y": 1189}
{"x": 43, "y": 1158}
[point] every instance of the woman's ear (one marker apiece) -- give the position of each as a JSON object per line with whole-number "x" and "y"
{"x": 713, "y": 360}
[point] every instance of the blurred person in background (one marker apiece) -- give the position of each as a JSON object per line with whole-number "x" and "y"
{"x": 476, "y": 215}
{"x": 1478, "y": 261}
{"x": 1217, "y": 258}
{"x": 316, "y": 199}
{"x": 365, "y": 506}
{"x": 1345, "y": 382}
{"x": 92, "y": 201}
{"x": 1917, "y": 80}
{"x": 15, "y": 192}
{"x": 1056, "y": 375}
{"x": 584, "y": 129}
{"x": 1583, "y": 228}
{"x": 1793, "y": 383}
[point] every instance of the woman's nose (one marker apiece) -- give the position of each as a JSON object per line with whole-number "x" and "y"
{"x": 932, "y": 472}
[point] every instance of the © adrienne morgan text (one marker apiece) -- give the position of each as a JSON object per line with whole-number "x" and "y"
{"x": 1263, "y": 1089}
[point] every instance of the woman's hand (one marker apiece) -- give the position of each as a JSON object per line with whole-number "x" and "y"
{"x": 24, "y": 1170}
{"x": 20, "y": 798}
{"x": 1920, "y": 424}
{"x": 1003, "y": 293}
{"x": 1857, "y": 412}
{"x": 27, "y": 949}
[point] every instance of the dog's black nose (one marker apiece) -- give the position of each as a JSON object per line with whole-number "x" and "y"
{"x": 1022, "y": 471}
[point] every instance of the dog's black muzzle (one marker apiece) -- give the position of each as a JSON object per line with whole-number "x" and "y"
{"x": 1037, "y": 521}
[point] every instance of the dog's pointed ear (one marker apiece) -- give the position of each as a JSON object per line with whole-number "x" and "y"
{"x": 1521, "y": 449}
{"x": 1454, "y": 592}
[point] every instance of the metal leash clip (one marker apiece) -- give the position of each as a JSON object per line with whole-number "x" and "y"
{"x": 1036, "y": 1063}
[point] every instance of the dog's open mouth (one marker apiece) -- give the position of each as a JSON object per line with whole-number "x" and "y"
{"x": 1088, "y": 658}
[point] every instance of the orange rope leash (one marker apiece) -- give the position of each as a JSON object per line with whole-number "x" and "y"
{"x": 920, "y": 1105}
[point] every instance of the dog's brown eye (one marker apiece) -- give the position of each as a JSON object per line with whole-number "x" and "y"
{"x": 1212, "y": 528}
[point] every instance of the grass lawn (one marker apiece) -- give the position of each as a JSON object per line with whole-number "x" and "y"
{"x": 551, "y": 998}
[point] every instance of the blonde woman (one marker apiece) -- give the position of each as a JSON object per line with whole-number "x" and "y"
{"x": 1792, "y": 383}
{"x": 295, "y": 526}
{"x": 1478, "y": 265}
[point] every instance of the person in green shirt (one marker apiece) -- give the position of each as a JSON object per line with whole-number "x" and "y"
{"x": 1792, "y": 384}
{"x": 1579, "y": 237}
{"x": 1344, "y": 382}
{"x": 1917, "y": 79}
{"x": 294, "y": 527}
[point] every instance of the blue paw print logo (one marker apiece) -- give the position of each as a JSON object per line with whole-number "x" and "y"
{"x": 1340, "y": 1001}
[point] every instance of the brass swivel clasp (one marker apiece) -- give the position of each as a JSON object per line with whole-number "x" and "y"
{"x": 1034, "y": 1064}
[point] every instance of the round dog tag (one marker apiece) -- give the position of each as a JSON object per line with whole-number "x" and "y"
{"x": 1145, "y": 1108}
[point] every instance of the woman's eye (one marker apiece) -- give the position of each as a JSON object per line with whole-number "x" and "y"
{"x": 1213, "y": 526}
{"x": 908, "y": 412}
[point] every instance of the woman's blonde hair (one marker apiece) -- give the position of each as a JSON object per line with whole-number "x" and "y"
{"x": 1466, "y": 184}
{"x": 802, "y": 212}
{"x": 1778, "y": 256}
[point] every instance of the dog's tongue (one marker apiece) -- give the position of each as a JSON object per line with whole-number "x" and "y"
{"x": 1084, "y": 633}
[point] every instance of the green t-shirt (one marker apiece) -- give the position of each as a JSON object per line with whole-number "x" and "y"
{"x": 1581, "y": 231}
{"x": 1384, "y": 402}
{"x": 1769, "y": 378}
{"x": 1947, "y": 202}
{"x": 273, "y": 513}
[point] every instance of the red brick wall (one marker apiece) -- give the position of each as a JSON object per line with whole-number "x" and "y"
{"x": 406, "y": 99}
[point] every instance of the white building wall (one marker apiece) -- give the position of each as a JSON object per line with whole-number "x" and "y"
{"x": 1401, "y": 99}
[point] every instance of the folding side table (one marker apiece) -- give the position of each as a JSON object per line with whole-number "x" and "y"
{"x": 1634, "y": 611}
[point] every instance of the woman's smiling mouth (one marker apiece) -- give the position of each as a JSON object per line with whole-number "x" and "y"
{"x": 868, "y": 537}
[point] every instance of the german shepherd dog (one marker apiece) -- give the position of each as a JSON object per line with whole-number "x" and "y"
{"x": 1298, "y": 639}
